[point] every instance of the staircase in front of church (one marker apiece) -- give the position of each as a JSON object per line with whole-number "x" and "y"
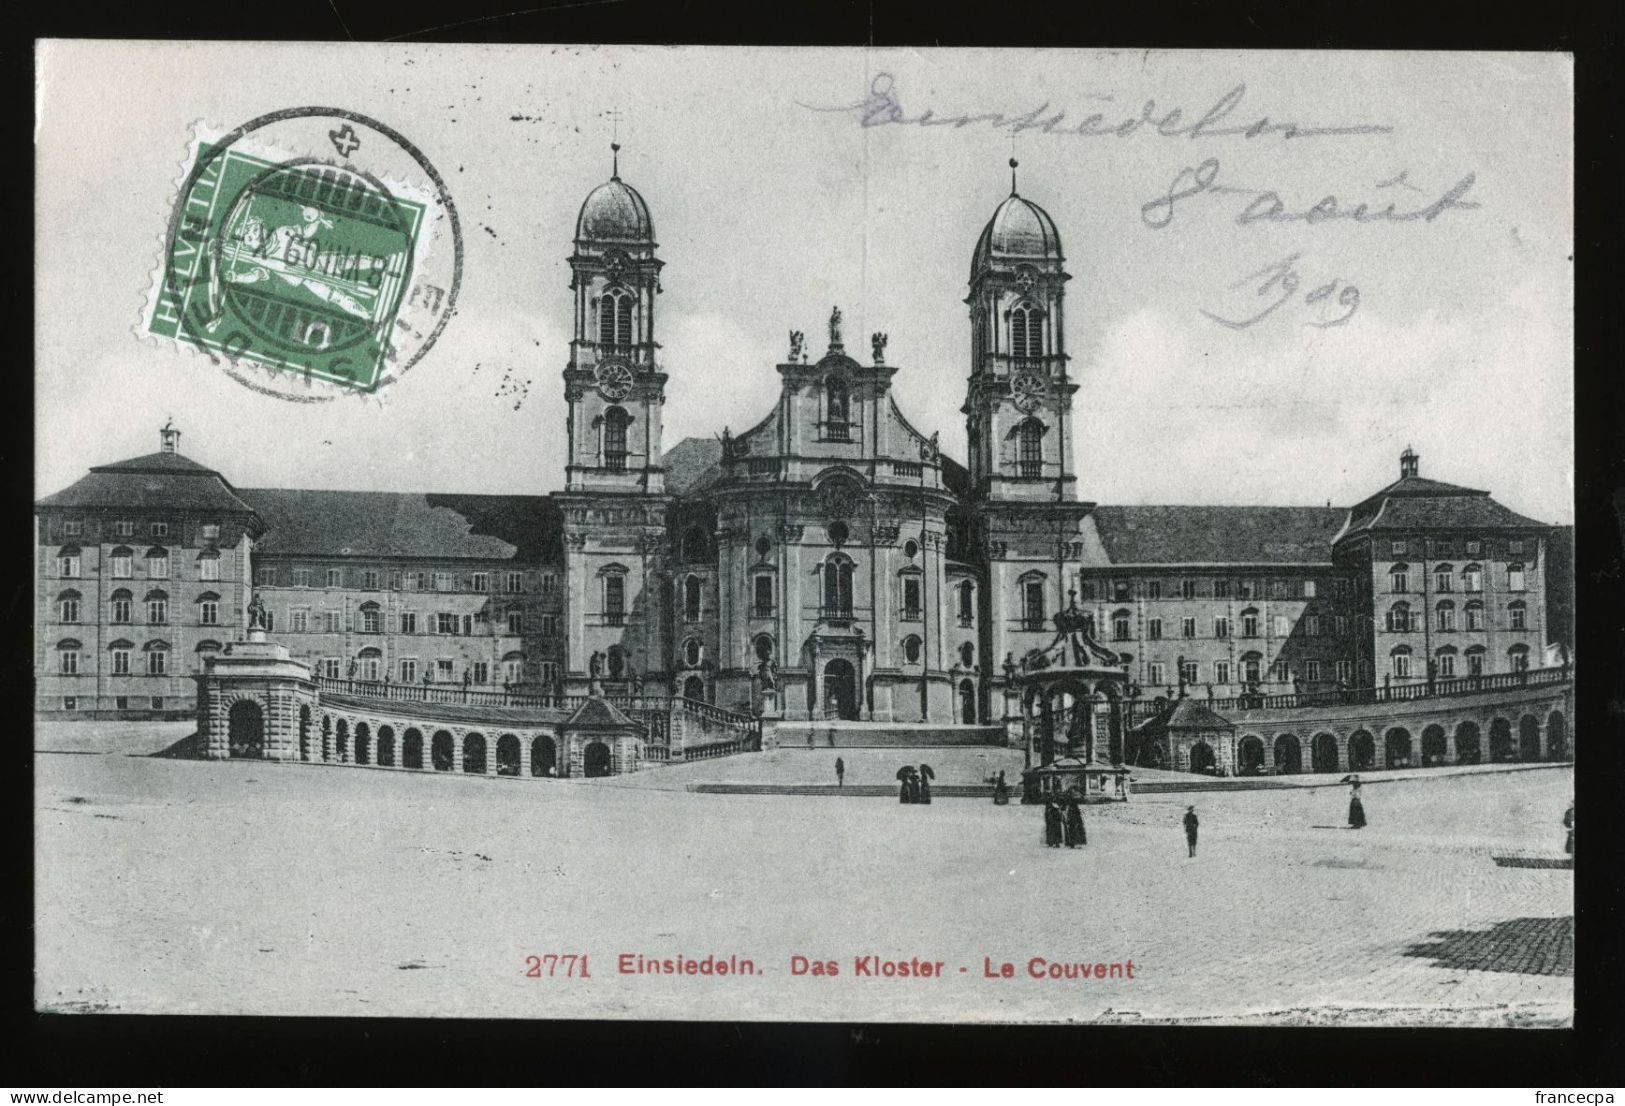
{"x": 833, "y": 734}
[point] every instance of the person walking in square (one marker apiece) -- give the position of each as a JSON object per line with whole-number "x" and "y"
{"x": 1191, "y": 822}
{"x": 1568, "y": 822}
{"x": 1356, "y": 807}
{"x": 923, "y": 795}
{"x": 840, "y": 772}
{"x": 1075, "y": 834}
{"x": 1054, "y": 821}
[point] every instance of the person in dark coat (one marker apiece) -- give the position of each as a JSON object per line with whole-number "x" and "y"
{"x": 925, "y": 778}
{"x": 1191, "y": 823}
{"x": 1356, "y": 808}
{"x": 906, "y": 792}
{"x": 1054, "y": 821}
{"x": 840, "y": 772}
{"x": 1075, "y": 834}
{"x": 1568, "y": 820}
{"x": 1001, "y": 790}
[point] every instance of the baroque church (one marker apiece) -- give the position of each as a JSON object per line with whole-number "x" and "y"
{"x": 830, "y": 558}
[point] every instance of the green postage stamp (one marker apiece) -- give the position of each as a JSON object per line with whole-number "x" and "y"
{"x": 311, "y": 269}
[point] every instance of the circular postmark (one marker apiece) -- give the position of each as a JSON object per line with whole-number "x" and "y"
{"x": 312, "y": 251}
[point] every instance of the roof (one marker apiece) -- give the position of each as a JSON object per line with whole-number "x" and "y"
{"x": 406, "y": 524}
{"x": 1184, "y": 714}
{"x": 1217, "y": 535}
{"x": 615, "y": 212}
{"x": 692, "y": 465}
{"x": 159, "y": 480}
{"x": 598, "y": 713}
{"x": 1019, "y": 230}
{"x": 1417, "y": 503}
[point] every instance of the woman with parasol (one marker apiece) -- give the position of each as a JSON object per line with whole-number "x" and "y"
{"x": 1054, "y": 821}
{"x": 1356, "y": 808}
{"x": 926, "y": 776}
{"x": 906, "y": 793}
{"x": 1075, "y": 834}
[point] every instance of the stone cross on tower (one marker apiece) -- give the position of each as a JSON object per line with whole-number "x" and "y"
{"x": 835, "y": 331}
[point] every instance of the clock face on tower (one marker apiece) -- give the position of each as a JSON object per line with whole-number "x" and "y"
{"x": 614, "y": 381}
{"x": 1029, "y": 391}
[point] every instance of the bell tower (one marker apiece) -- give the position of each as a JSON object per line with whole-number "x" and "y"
{"x": 613, "y": 385}
{"x": 1018, "y": 405}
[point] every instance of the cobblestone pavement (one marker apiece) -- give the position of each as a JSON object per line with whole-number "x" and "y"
{"x": 175, "y": 886}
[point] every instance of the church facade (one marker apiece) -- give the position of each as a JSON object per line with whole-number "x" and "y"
{"x": 829, "y": 559}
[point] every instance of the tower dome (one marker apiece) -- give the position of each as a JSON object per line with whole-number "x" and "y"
{"x": 1020, "y": 230}
{"x": 614, "y": 212}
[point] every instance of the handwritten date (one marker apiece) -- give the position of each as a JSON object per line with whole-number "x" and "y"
{"x": 1281, "y": 282}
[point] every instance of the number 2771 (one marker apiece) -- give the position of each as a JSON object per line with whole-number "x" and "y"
{"x": 568, "y": 965}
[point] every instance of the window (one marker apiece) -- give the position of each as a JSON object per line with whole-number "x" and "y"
{"x": 409, "y": 670}
{"x": 1472, "y": 578}
{"x": 616, "y": 421}
{"x": 367, "y": 670}
{"x": 332, "y": 622}
{"x": 211, "y": 531}
{"x": 67, "y": 562}
{"x": 157, "y": 702}
{"x": 124, "y": 528}
{"x": 372, "y": 579}
{"x": 482, "y": 672}
{"x": 409, "y": 622}
{"x": 442, "y": 581}
{"x": 967, "y": 655}
{"x": 615, "y": 317}
{"x": 1518, "y": 658}
{"x": 1032, "y": 604}
{"x": 68, "y": 606}
{"x": 1309, "y": 587}
{"x": 157, "y": 660}
{"x": 1283, "y": 626}
{"x": 1475, "y": 615}
{"x": 516, "y": 621}
{"x": 335, "y": 577}
{"x": 121, "y": 606}
{"x": 1515, "y": 547}
{"x": 1086, "y": 589}
{"x": 1221, "y": 589}
{"x": 549, "y": 582}
{"x": 208, "y": 612}
{"x": 550, "y": 625}
{"x": 208, "y": 567}
{"x": 1187, "y": 627}
{"x": 120, "y": 562}
{"x": 1278, "y": 589}
{"x": 967, "y": 603}
{"x": 1251, "y": 668}
{"x": 549, "y": 672}
{"x": 513, "y": 668}
{"x": 120, "y": 702}
{"x": 1121, "y": 590}
{"x": 692, "y": 652}
{"x": 1246, "y": 589}
{"x": 160, "y": 529}
{"x": 1221, "y": 672}
{"x": 911, "y": 649}
{"x": 1156, "y": 673}
{"x": 72, "y": 527}
{"x": 614, "y": 600}
{"x": 1445, "y": 665}
{"x": 1153, "y": 629}
{"x": 1221, "y": 629}
{"x": 1345, "y": 671}
{"x": 1399, "y": 579}
{"x": 1153, "y": 589}
{"x": 1340, "y": 625}
{"x": 1249, "y": 623}
{"x": 1398, "y": 549}
{"x": 691, "y": 599}
{"x": 1401, "y": 659}
{"x": 911, "y": 599}
{"x": 1187, "y": 589}
{"x": 1443, "y": 578}
{"x": 157, "y": 609}
{"x": 445, "y": 623}
{"x": 1475, "y": 661}
{"x": 301, "y": 577}
{"x": 266, "y": 576}
{"x": 444, "y": 670}
{"x": 121, "y": 661}
{"x": 158, "y": 563}
{"x": 1189, "y": 672}
{"x": 1026, "y": 331}
{"x": 1515, "y": 577}
{"x": 837, "y": 587}
{"x": 1311, "y": 625}
{"x": 299, "y": 620}
{"x": 1311, "y": 671}
{"x": 1444, "y": 616}
{"x": 516, "y": 582}
{"x": 482, "y": 581}
{"x": 1278, "y": 672}
{"x": 1399, "y": 618}
{"x": 1030, "y": 448}
{"x": 372, "y": 619}
{"x": 67, "y": 657}
{"x": 1120, "y": 626}
{"x": 1517, "y": 615}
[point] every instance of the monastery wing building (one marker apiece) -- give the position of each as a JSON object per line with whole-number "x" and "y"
{"x": 831, "y": 553}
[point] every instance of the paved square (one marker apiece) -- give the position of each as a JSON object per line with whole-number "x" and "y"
{"x": 179, "y": 886}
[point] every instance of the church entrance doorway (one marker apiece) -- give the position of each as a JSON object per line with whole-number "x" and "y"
{"x": 840, "y": 690}
{"x": 967, "y": 702}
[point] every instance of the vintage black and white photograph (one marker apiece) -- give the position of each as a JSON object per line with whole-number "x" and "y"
{"x": 514, "y": 527}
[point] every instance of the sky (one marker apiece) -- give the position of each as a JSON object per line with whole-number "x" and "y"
{"x": 784, "y": 182}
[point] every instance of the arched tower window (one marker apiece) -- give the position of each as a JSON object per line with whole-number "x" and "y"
{"x": 615, "y": 317}
{"x": 691, "y": 599}
{"x": 1026, "y": 331}
{"x": 838, "y": 586}
{"x": 1030, "y": 448}
{"x": 616, "y": 421}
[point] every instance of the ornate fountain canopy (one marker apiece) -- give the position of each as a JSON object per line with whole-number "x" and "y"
{"x": 1074, "y": 650}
